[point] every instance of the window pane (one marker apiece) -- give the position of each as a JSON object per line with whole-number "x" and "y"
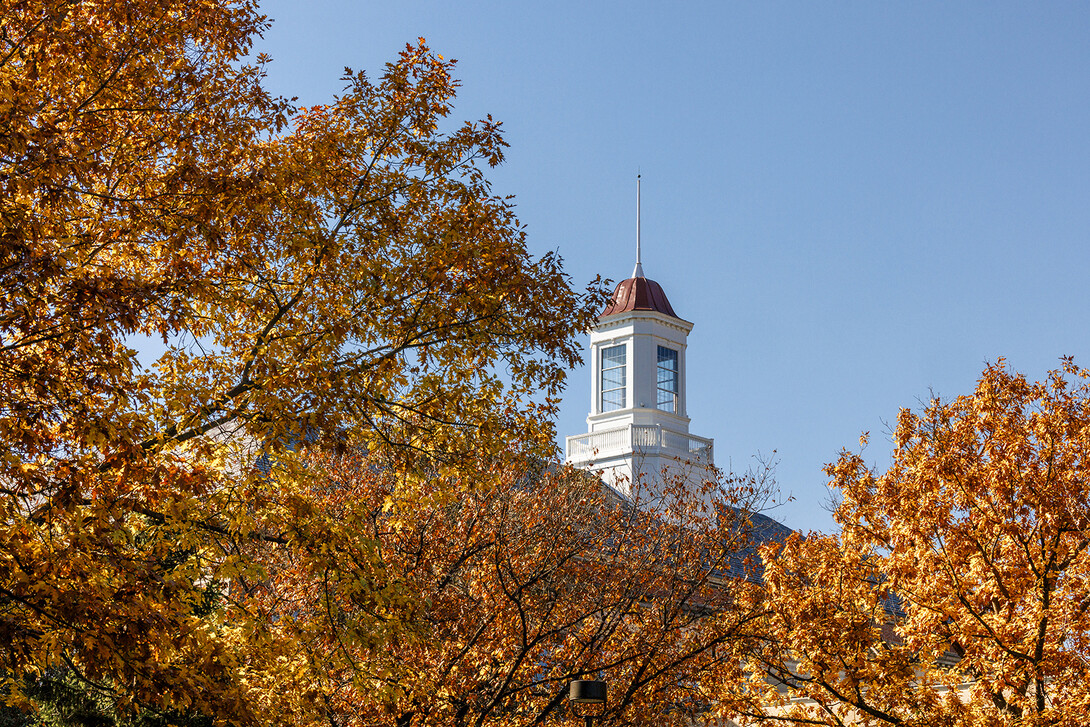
{"x": 613, "y": 356}
{"x": 613, "y": 378}
{"x": 668, "y": 379}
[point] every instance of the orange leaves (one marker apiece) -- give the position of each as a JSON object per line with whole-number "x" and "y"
{"x": 350, "y": 281}
{"x": 482, "y": 607}
{"x": 953, "y": 594}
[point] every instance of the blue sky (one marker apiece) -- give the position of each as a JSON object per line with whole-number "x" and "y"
{"x": 856, "y": 203}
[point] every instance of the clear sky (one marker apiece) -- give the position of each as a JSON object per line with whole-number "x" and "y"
{"x": 856, "y": 203}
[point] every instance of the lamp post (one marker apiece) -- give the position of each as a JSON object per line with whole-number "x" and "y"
{"x": 586, "y": 691}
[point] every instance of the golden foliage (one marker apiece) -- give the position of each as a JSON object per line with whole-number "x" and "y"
{"x": 494, "y": 600}
{"x": 338, "y": 274}
{"x": 957, "y": 592}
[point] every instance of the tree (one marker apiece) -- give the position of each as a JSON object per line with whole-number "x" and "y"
{"x": 531, "y": 577}
{"x": 957, "y": 592}
{"x": 345, "y": 278}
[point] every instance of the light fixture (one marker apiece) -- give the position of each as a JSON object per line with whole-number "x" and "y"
{"x": 587, "y": 691}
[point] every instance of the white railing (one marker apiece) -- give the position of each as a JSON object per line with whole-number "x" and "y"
{"x": 639, "y": 438}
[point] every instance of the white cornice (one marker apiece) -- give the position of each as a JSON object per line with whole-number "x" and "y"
{"x": 622, "y": 319}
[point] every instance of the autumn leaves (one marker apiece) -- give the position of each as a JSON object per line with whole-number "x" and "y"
{"x": 348, "y": 282}
{"x": 333, "y": 498}
{"x": 956, "y": 591}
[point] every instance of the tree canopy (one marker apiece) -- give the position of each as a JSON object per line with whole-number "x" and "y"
{"x": 330, "y": 497}
{"x": 530, "y": 578}
{"x": 339, "y": 274}
{"x": 958, "y": 589}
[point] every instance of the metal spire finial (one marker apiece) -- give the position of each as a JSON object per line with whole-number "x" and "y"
{"x": 637, "y": 272}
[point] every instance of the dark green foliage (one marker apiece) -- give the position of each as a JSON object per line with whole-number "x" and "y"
{"x": 63, "y": 700}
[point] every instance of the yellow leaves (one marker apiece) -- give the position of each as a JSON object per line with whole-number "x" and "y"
{"x": 960, "y": 558}
{"x": 509, "y": 583}
{"x": 351, "y": 282}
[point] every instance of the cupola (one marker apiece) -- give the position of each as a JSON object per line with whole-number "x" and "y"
{"x": 637, "y": 429}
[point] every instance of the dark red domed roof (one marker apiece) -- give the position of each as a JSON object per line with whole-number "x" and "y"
{"x": 638, "y": 294}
